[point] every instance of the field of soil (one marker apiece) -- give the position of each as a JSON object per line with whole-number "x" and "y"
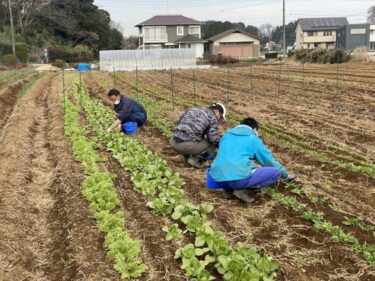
{"x": 319, "y": 121}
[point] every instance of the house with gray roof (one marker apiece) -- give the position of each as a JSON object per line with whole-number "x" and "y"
{"x": 171, "y": 31}
{"x": 318, "y": 32}
{"x": 235, "y": 43}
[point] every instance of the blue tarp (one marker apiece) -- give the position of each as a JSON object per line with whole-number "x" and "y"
{"x": 83, "y": 67}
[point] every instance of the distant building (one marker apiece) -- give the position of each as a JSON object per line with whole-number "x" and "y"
{"x": 171, "y": 31}
{"x": 235, "y": 43}
{"x": 372, "y": 37}
{"x": 353, "y": 36}
{"x": 318, "y": 32}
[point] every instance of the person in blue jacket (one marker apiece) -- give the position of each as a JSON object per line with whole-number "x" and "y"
{"x": 234, "y": 169}
{"x": 127, "y": 109}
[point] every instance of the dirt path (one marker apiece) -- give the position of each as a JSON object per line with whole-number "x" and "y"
{"x": 47, "y": 232}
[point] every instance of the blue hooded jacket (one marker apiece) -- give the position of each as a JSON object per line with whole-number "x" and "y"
{"x": 238, "y": 149}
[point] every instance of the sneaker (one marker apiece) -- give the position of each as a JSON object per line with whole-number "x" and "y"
{"x": 207, "y": 156}
{"x": 194, "y": 161}
{"x": 243, "y": 196}
{"x": 227, "y": 194}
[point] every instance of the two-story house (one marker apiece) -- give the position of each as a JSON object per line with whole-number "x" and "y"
{"x": 353, "y": 36}
{"x": 318, "y": 32}
{"x": 171, "y": 31}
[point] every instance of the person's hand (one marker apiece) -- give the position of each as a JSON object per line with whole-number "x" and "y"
{"x": 109, "y": 130}
{"x": 290, "y": 177}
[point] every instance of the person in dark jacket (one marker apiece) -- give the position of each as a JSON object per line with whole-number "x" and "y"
{"x": 127, "y": 109}
{"x": 234, "y": 169}
{"x": 196, "y": 133}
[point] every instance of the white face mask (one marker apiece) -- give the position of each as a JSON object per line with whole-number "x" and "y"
{"x": 116, "y": 102}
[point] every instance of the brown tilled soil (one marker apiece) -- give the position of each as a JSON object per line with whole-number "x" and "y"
{"x": 303, "y": 252}
{"x": 47, "y": 230}
{"x": 315, "y": 175}
{"x": 8, "y": 98}
{"x": 293, "y": 113}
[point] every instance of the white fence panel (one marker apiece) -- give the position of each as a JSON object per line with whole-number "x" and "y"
{"x": 128, "y": 60}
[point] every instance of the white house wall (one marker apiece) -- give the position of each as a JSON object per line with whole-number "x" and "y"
{"x": 236, "y": 37}
{"x": 199, "y": 49}
{"x": 372, "y": 33}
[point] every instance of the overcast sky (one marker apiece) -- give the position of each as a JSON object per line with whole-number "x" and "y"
{"x": 254, "y": 12}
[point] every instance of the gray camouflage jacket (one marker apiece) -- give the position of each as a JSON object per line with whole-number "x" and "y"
{"x": 197, "y": 123}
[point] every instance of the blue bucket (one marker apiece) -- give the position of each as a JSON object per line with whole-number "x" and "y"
{"x": 210, "y": 181}
{"x": 130, "y": 128}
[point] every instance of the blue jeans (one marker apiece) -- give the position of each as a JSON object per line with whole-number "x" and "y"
{"x": 262, "y": 177}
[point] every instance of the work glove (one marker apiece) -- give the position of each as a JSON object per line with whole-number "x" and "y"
{"x": 290, "y": 177}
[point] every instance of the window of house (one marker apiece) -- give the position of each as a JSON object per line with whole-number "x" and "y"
{"x": 310, "y": 33}
{"x": 180, "y": 30}
{"x": 358, "y": 31}
{"x": 194, "y": 30}
{"x": 155, "y": 33}
{"x": 327, "y": 33}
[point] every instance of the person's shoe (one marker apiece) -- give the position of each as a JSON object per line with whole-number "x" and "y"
{"x": 243, "y": 196}
{"x": 207, "y": 156}
{"x": 194, "y": 161}
{"x": 227, "y": 194}
{"x": 184, "y": 158}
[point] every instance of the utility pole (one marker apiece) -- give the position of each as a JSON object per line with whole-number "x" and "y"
{"x": 12, "y": 28}
{"x": 284, "y": 30}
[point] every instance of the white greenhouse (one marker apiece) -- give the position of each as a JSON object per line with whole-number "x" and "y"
{"x": 156, "y": 59}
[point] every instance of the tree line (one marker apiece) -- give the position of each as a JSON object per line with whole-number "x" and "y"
{"x": 60, "y": 23}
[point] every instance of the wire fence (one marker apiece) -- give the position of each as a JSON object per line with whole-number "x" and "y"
{"x": 332, "y": 87}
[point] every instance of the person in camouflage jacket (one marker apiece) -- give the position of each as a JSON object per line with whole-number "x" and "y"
{"x": 196, "y": 133}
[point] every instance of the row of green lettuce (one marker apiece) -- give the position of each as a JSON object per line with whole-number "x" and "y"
{"x": 162, "y": 187}
{"x": 98, "y": 188}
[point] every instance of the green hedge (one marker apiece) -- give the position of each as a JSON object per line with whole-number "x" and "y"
{"x": 320, "y": 55}
{"x": 9, "y": 60}
{"x": 21, "y": 51}
{"x": 79, "y": 53}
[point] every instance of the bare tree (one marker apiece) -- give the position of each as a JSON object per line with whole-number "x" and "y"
{"x": 266, "y": 30}
{"x": 24, "y": 11}
{"x": 371, "y": 15}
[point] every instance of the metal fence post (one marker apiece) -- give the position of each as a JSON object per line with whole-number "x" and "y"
{"x": 228, "y": 87}
{"x": 337, "y": 80}
{"x": 251, "y": 84}
{"x": 114, "y": 77}
{"x": 80, "y": 89}
{"x": 172, "y": 88}
{"x": 63, "y": 88}
{"x": 303, "y": 79}
{"x": 194, "y": 84}
{"x": 278, "y": 92}
{"x": 136, "y": 82}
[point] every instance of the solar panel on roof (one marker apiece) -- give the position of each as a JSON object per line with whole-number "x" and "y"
{"x": 315, "y": 23}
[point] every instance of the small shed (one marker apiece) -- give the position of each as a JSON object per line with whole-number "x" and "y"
{"x": 191, "y": 42}
{"x": 235, "y": 43}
